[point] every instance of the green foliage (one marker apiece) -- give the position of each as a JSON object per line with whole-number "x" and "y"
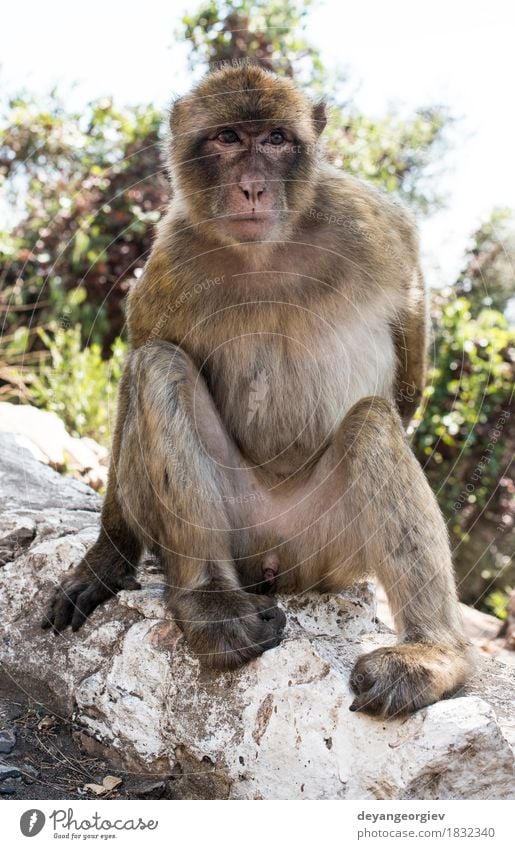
{"x": 488, "y": 275}
{"x": 461, "y": 439}
{"x": 272, "y": 32}
{"x": 86, "y": 190}
{"x": 465, "y": 439}
{"x": 77, "y": 383}
{"x": 497, "y": 602}
{"x": 397, "y": 155}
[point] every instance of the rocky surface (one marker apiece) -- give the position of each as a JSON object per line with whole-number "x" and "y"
{"x": 278, "y": 728}
{"x": 45, "y": 436}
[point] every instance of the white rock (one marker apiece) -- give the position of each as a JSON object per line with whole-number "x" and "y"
{"x": 279, "y": 728}
{"x": 45, "y": 436}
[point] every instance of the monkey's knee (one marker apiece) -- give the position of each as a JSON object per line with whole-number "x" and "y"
{"x": 371, "y": 429}
{"x": 159, "y": 364}
{"x": 371, "y": 418}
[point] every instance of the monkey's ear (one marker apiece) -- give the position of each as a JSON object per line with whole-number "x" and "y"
{"x": 175, "y": 112}
{"x": 319, "y": 116}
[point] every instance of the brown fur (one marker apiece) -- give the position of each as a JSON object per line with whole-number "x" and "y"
{"x": 278, "y": 334}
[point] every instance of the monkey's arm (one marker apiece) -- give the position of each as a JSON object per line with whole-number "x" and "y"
{"x": 151, "y": 298}
{"x": 381, "y": 237}
{"x": 410, "y": 344}
{"x": 110, "y": 563}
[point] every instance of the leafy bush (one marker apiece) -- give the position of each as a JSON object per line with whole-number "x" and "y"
{"x": 87, "y": 190}
{"x": 497, "y": 602}
{"x": 465, "y": 438}
{"x": 469, "y": 388}
{"x": 487, "y": 276}
{"x": 77, "y": 383}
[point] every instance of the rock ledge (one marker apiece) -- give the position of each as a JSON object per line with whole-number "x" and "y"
{"x": 278, "y": 729}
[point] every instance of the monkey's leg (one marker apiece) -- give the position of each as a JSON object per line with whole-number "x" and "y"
{"x": 392, "y": 518}
{"x": 178, "y": 474}
{"x": 110, "y": 563}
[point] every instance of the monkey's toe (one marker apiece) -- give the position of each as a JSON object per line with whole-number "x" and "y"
{"x": 90, "y": 597}
{"x": 274, "y": 621}
{"x": 227, "y": 630}
{"x": 254, "y": 633}
{"x": 61, "y": 609}
{"x": 76, "y": 599}
{"x": 396, "y": 680}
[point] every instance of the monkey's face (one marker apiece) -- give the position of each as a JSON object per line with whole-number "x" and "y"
{"x": 243, "y": 155}
{"x": 247, "y": 169}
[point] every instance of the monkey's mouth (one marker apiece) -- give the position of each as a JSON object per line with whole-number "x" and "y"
{"x": 249, "y": 227}
{"x": 250, "y": 216}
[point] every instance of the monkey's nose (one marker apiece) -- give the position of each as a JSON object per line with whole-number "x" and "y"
{"x": 252, "y": 189}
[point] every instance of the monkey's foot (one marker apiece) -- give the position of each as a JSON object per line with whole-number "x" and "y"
{"x": 228, "y": 628}
{"x": 80, "y": 593}
{"x": 396, "y": 680}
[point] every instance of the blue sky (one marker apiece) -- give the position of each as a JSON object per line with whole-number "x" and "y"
{"x": 403, "y": 53}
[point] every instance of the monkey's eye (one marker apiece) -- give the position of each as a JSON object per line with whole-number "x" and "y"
{"x": 276, "y": 137}
{"x": 228, "y": 137}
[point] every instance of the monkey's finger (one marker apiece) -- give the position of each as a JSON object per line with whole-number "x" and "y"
{"x": 85, "y": 604}
{"x": 370, "y": 702}
{"x": 361, "y": 703}
{"x": 64, "y": 611}
{"x": 130, "y": 583}
{"x": 271, "y": 642}
{"x": 49, "y": 616}
{"x": 273, "y": 621}
{"x": 362, "y": 680}
{"x": 358, "y": 703}
{"x": 275, "y": 616}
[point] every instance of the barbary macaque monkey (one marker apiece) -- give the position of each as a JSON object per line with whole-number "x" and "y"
{"x": 278, "y": 336}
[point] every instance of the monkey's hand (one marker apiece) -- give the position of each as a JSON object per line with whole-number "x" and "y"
{"x": 93, "y": 581}
{"x": 396, "y": 680}
{"x": 226, "y": 628}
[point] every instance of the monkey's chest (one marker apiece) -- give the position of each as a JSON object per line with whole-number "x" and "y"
{"x": 283, "y": 393}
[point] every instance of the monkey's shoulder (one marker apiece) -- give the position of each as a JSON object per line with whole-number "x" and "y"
{"x": 148, "y": 297}
{"x": 363, "y": 219}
